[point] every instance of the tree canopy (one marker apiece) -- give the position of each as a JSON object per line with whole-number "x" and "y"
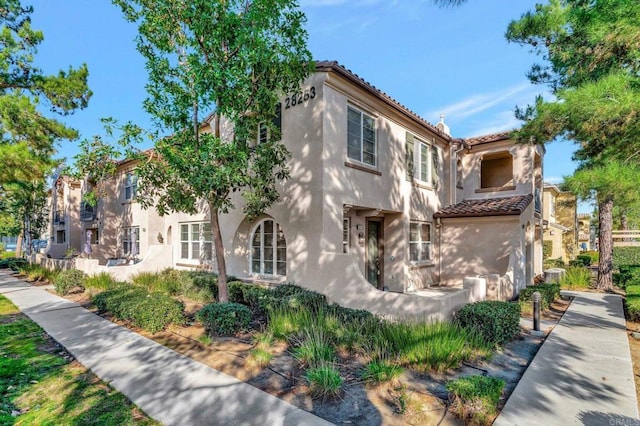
{"x": 231, "y": 58}
{"x": 592, "y": 66}
{"x": 27, "y": 136}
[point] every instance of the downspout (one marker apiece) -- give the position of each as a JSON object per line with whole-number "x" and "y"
{"x": 454, "y": 168}
{"x": 439, "y": 228}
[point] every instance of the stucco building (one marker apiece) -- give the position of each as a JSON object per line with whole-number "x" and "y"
{"x": 380, "y": 204}
{"x": 560, "y": 223}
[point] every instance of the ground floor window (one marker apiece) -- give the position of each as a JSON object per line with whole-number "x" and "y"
{"x": 419, "y": 241}
{"x": 195, "y": 241}
{"x": 131, "y": 240}
{"x": 346, "y": 234}
{"x": 92, "y": 235}
{"x": 61, "y": 237}
{"x": 268, "y": 249}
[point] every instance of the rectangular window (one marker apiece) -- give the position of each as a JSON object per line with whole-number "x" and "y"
{"x": 131, "y": 241}
{"x": 425, "y": 161}
{"x": 361, "y": 137}
{"x": 196, "y": 241}
{"x": 419, "y": 241}
{"x": 346, "y": 234}
{"x": 130, "y": 186}
{"x": 94, "y": 235}
{"x": 60, "y": 237}
{"x": 264, "y": 133}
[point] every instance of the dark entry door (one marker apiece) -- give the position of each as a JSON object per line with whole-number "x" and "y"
{"x": 374, "y": 255}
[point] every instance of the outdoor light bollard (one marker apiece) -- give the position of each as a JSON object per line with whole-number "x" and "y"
{"x": 536, "y": 298}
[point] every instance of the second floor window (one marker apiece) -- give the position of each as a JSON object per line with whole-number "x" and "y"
{"x": 361, "y": 137}
{"x": 130, "y": 186}
{"x": 422, "y": 161}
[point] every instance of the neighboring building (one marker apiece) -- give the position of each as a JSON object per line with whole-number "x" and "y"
{"x": 585, "y": 237}
{"x": 64, "y": 217}
{"x": 561, "y": 223}
{"x": 377, "y": 199}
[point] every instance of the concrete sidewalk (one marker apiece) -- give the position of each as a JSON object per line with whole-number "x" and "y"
{"x": 582, "y": 374}
{"x": 169, "y": 387}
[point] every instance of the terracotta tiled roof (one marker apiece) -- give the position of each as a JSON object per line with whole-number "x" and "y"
{"x": 489, "y": 138}
{"x": 506, "y": 206}
{"x": 355, "y": 78}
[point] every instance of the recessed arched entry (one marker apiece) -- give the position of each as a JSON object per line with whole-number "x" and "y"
{"x": 268, "y": 249}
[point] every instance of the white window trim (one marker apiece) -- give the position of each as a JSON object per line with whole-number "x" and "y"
{"x": 375, "y": 138}
{"x": 346, "y": 242}
{"x": 257, "y": 227}
{"x": 131, "y": 183}
{"x": 420, "y": 243}
{"x": 417, "y": 161}
{"x": 202, "y": 241}
{"x": 126, "y": 238}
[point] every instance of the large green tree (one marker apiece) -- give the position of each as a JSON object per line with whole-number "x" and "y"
{"x": 609, "y": 184}
{"x": 27, "y": 136}
{"x": 591, "y": 52}
{"x": 234, "y": 58}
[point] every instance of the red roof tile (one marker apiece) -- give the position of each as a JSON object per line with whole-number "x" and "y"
{"x": 506, "y": 206}
{"x": 489, "y": 138}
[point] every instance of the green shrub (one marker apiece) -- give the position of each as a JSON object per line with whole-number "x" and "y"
{"x": 583, "y": 260}
{"x": 380, "y": 372}
{"x": 154, "y": 281}
{"x": 9, "y": 255}
{"x": 576, "y": 277}
{"x": 626, "y": 256}
{"x": 497, "y": 322}
{"x": 628, "y": 274}
{"x": 68, "y": 281}
{"x": 12, "y": 262}
{"x": 324, "y": 381}
{"x": 294, "y": 296}
{"x": 632, "y": 300}
{"x": 151, "y": 311}
{"x": 255, "y": 296}
{"x": 203, "y": 287}
{"x": 476, "y": 398}
{"x": 101, "y": 281}
{"x": 593, "y": 255}
{"x": 224, "y": 318}
{"x": 553, "y": 263}
{"x": 549, "y": 292}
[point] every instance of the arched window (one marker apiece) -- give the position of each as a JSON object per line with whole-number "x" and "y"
{"x": 268, "y": 249}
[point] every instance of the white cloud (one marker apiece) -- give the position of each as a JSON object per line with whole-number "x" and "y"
{"x": 480, "y": 102}
{"x": 501, "y": 122}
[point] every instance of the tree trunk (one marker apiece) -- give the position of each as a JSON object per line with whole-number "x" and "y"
{"x": 19, "y": 243}
{"x": 223, "y": 294}
{"x": 605, "y": 242}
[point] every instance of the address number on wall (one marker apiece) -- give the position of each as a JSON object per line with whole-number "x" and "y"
{"x": 299, "y": 98}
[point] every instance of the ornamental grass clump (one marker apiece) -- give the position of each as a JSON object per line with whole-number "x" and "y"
{"x": 314, "y": 348}
{"x": 380, "y": 371}
{"x": 102, "y": 281}
{"x": 476, "y": 398}
{"x": 576, "y": 277}
{"x": 324, "y": 381}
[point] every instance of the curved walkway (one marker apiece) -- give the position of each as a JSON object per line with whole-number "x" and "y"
{"x": 582, "y": 374}
{"x": 169, "y": 387}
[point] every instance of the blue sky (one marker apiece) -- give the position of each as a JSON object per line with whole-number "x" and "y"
{"x": 431, "y": 59}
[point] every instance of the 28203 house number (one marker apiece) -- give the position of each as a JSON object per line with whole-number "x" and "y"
{"x": 299, "y": 98}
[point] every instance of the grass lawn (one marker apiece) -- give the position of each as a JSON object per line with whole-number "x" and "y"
{"x": 40, "y": 385}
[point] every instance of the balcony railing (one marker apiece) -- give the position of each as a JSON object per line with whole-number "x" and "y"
{"x": 87, "y": 213}
{"x": 58, "y": 217}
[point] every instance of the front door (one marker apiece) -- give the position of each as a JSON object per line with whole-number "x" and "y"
{"x": 374, "y": 253}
